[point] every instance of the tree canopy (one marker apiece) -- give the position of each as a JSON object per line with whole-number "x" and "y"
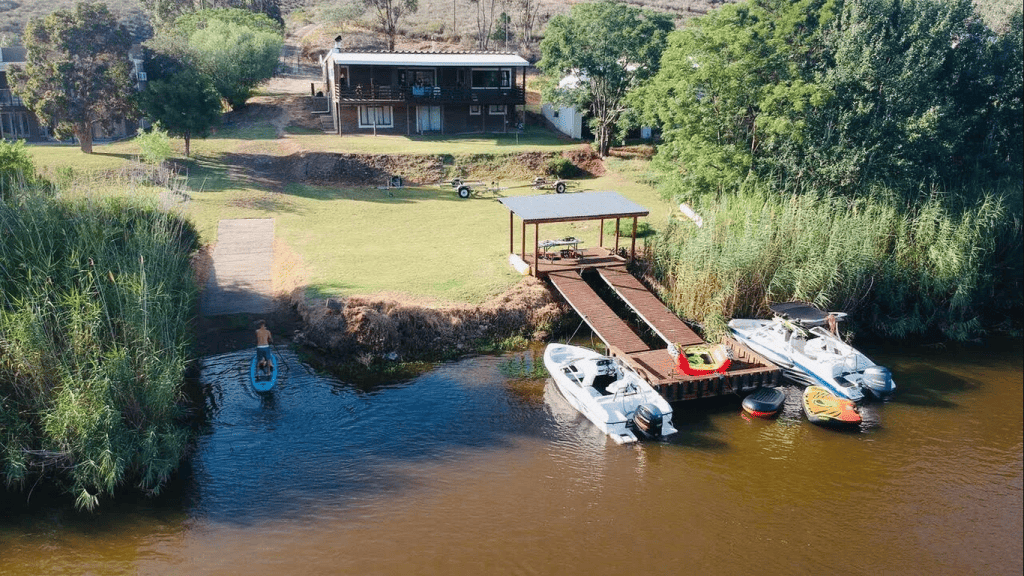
{"x": 185, "y": 103}
{"x": 610, "y": 48}
{"x": 838, "y": 95}
{"x": 234, "y": 49}
{"x": 77, "y": 72}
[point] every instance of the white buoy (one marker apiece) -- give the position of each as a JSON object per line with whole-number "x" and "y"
{"x": 689, "y": 213}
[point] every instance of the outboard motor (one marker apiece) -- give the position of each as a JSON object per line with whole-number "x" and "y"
{"x": 878, "y": 381}
{"x": 647, "y": 419}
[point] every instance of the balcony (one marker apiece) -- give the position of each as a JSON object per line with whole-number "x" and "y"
{"x": 430, "y": 95}
{"x": 9, "y": 100}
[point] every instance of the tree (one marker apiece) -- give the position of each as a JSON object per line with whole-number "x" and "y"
{"x": 185, "y": 103}
{"x": 611, "y": 48}
{"x": 485, "y": 15}
{"x": 389, "y": 12}
{"x": 733, "y": 83}
{"x": 77, "y": 73}
{"x": 235, "y": 49}
{"x": 523, "y": 19}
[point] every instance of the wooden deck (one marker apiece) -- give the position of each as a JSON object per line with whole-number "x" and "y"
{"x": 747, "y": 371}
{"x": 611, "y": 329}
{"x": 665, "y": 324}
{"x": 588, "y": 258}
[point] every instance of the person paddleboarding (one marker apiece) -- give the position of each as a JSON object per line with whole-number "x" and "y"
{"x": 263, "y": 341}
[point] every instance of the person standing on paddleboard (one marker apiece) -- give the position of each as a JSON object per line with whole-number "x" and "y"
{"x": 263, "y": 342}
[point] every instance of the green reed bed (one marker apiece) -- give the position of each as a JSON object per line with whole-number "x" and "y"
{"x": 97, "y": 298}
{"x": 899, "y": 271}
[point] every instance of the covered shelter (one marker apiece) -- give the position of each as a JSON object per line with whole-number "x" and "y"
{"x": 558, "y": 254}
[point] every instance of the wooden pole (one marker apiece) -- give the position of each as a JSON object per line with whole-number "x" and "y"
{"x": 632, "y": 247}
{"x": 522, "y": 250}
{"x": 536, "y": 248}
{"x": 511, "y": 233}
{"x": 600, "y": 235}
{"x": 616, "y": 235}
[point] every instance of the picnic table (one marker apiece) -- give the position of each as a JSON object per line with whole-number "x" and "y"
{"x": 571, "y": 249}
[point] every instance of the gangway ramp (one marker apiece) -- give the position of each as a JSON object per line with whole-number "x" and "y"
{"x": 652, "y": 311}
{"x": 611, "y": 329}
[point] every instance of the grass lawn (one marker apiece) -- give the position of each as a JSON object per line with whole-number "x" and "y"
{"x": 424, "y": 242}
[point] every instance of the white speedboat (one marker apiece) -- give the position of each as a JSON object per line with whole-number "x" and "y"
{"x": 608, "y": 393}
{"x": 797, "y": 341}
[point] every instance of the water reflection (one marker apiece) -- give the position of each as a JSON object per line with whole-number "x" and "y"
{"x": 468, "y": 469}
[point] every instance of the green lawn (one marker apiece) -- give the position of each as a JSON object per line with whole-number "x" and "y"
{"x": 425, "y": 242}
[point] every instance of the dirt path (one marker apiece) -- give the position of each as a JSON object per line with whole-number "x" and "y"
{"x": 240, "y": 275}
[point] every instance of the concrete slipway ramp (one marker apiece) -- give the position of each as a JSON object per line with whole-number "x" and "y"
{"x": 240, "y": 278}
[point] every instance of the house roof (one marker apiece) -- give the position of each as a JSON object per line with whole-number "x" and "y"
{"x": 428, "y": 58}
{"x": 569, "y": 207}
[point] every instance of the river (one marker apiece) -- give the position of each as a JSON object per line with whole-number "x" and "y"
{"x": 464, "y": 470}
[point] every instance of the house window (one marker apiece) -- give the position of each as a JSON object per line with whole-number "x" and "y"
{"x": 492, "y": 78}
{"x": 379, "y": 116}
{"x": 14, "y": 125}
{"x": 496, "y": 110}
{"x": 474, "y": 110}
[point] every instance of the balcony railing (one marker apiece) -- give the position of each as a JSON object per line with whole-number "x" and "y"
{"x": 8, "y": 98}
{"x": 431, "y": 94}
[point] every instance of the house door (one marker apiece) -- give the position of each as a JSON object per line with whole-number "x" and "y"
{"x": 428, "y": 118}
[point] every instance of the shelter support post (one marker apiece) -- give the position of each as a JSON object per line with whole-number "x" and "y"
{"x": 522, "y": 251}
{"x": 536, "y": 249}
{"x": 617, "y": 235}
{"x": 511, "y": 232}
{"x": 632, "y": 246}
{"x": 600, "y": 235}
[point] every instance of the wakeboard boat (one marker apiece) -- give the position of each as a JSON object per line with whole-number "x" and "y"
{"x": 796, "y": 339}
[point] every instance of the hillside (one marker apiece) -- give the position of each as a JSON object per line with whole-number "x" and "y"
{"x": 436, "y": 21}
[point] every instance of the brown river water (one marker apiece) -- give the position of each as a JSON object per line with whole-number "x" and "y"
{"x": 464, "y": 470}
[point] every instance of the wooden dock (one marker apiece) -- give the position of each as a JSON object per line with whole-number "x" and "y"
{"x": 747, "y": 371}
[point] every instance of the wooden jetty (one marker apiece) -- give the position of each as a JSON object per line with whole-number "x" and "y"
{"x": 566, "y": 273}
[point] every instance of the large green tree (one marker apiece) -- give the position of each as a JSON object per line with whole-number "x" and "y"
{"x": 77, "y": 72}
{"x": 235, "y": 49}
{"x": 185, "y": 103}
{"x": 733, "y": 83}
{"x": 847, "y": 95}
{"x": 611, "y": 48}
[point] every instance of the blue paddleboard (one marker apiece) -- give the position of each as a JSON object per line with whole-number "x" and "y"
{"x": 263, "y": 382}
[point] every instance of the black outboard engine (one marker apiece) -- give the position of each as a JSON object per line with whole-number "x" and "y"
{"x": 878, "y": 381}
{"x": 647, "y": 419}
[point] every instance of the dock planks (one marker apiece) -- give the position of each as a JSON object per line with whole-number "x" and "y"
{"x": 612, "y": 330}
{"x": 748, "y": 371}
{"x": 665, "y": 324}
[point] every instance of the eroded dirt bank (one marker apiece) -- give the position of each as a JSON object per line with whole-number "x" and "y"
{"x": 368, "y": 328}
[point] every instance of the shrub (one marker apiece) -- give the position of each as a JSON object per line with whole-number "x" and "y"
{"x": 16, "y": 168}
{"x": 562, "y": 168}
{"x": 154, "y": 145}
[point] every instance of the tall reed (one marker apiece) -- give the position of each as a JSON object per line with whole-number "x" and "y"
{"x": 95, "y": 312}
{"x": 900, "y": 271}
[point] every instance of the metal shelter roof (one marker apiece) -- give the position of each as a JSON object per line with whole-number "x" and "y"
{"x": 570, "y": 207}
{"x": 427, "y": 58}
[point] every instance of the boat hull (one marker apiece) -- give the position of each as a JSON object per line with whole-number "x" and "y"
{"x": 611, "y": 406}
{"x": 766, "y": 337}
